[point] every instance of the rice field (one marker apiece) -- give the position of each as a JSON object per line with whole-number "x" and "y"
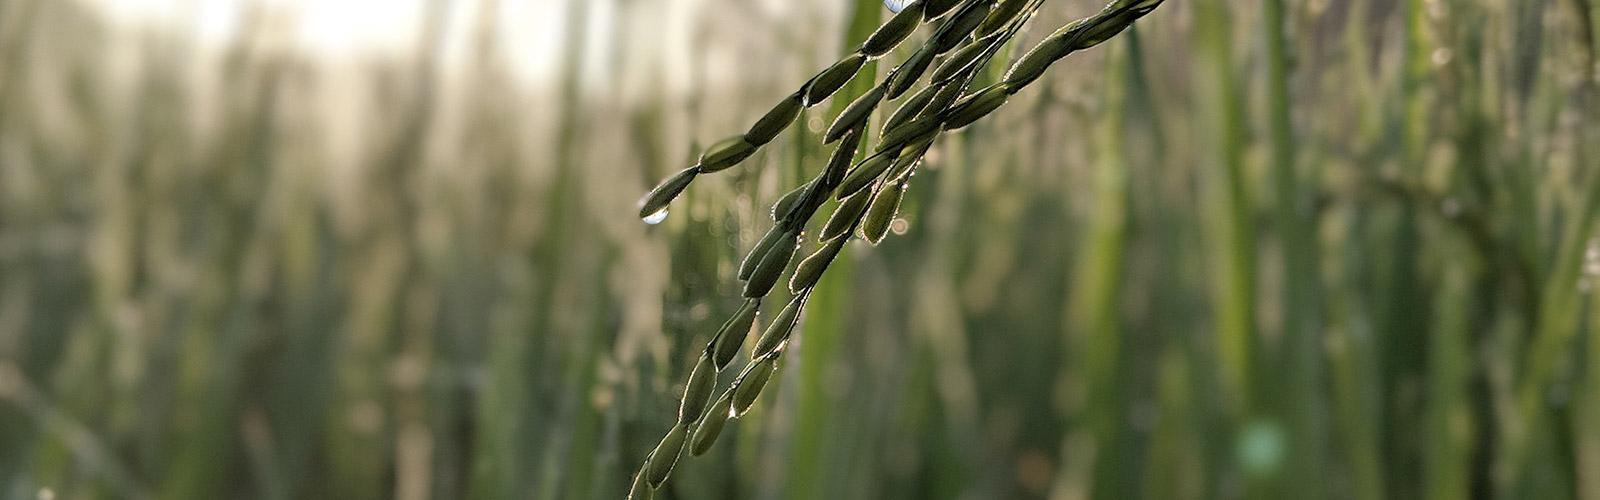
{"x": 1259, "y": 249}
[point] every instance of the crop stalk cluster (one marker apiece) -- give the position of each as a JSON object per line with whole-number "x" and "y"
{"x": 965, "y": 36}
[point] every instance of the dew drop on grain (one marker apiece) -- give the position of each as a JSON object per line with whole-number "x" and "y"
{"x": 656, "y": 218}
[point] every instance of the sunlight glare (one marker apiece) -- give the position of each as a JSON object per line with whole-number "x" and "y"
{"x": 341, "y": 29}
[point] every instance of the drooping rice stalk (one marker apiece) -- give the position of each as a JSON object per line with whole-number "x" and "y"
{"x": 885, "y": 174}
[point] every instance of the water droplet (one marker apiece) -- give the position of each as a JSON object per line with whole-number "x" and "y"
{"x": 896, "y": 5}
{"x": 656, "y": 218}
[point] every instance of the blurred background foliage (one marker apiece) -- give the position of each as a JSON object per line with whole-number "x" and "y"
{"x": 1250, "y": 249}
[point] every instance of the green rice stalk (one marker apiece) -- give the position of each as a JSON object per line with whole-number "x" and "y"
{"x": 917, "y": 124}
{"x": 1227, "y": 204}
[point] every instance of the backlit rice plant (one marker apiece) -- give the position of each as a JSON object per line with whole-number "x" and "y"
{"x": 964, "y": 39}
